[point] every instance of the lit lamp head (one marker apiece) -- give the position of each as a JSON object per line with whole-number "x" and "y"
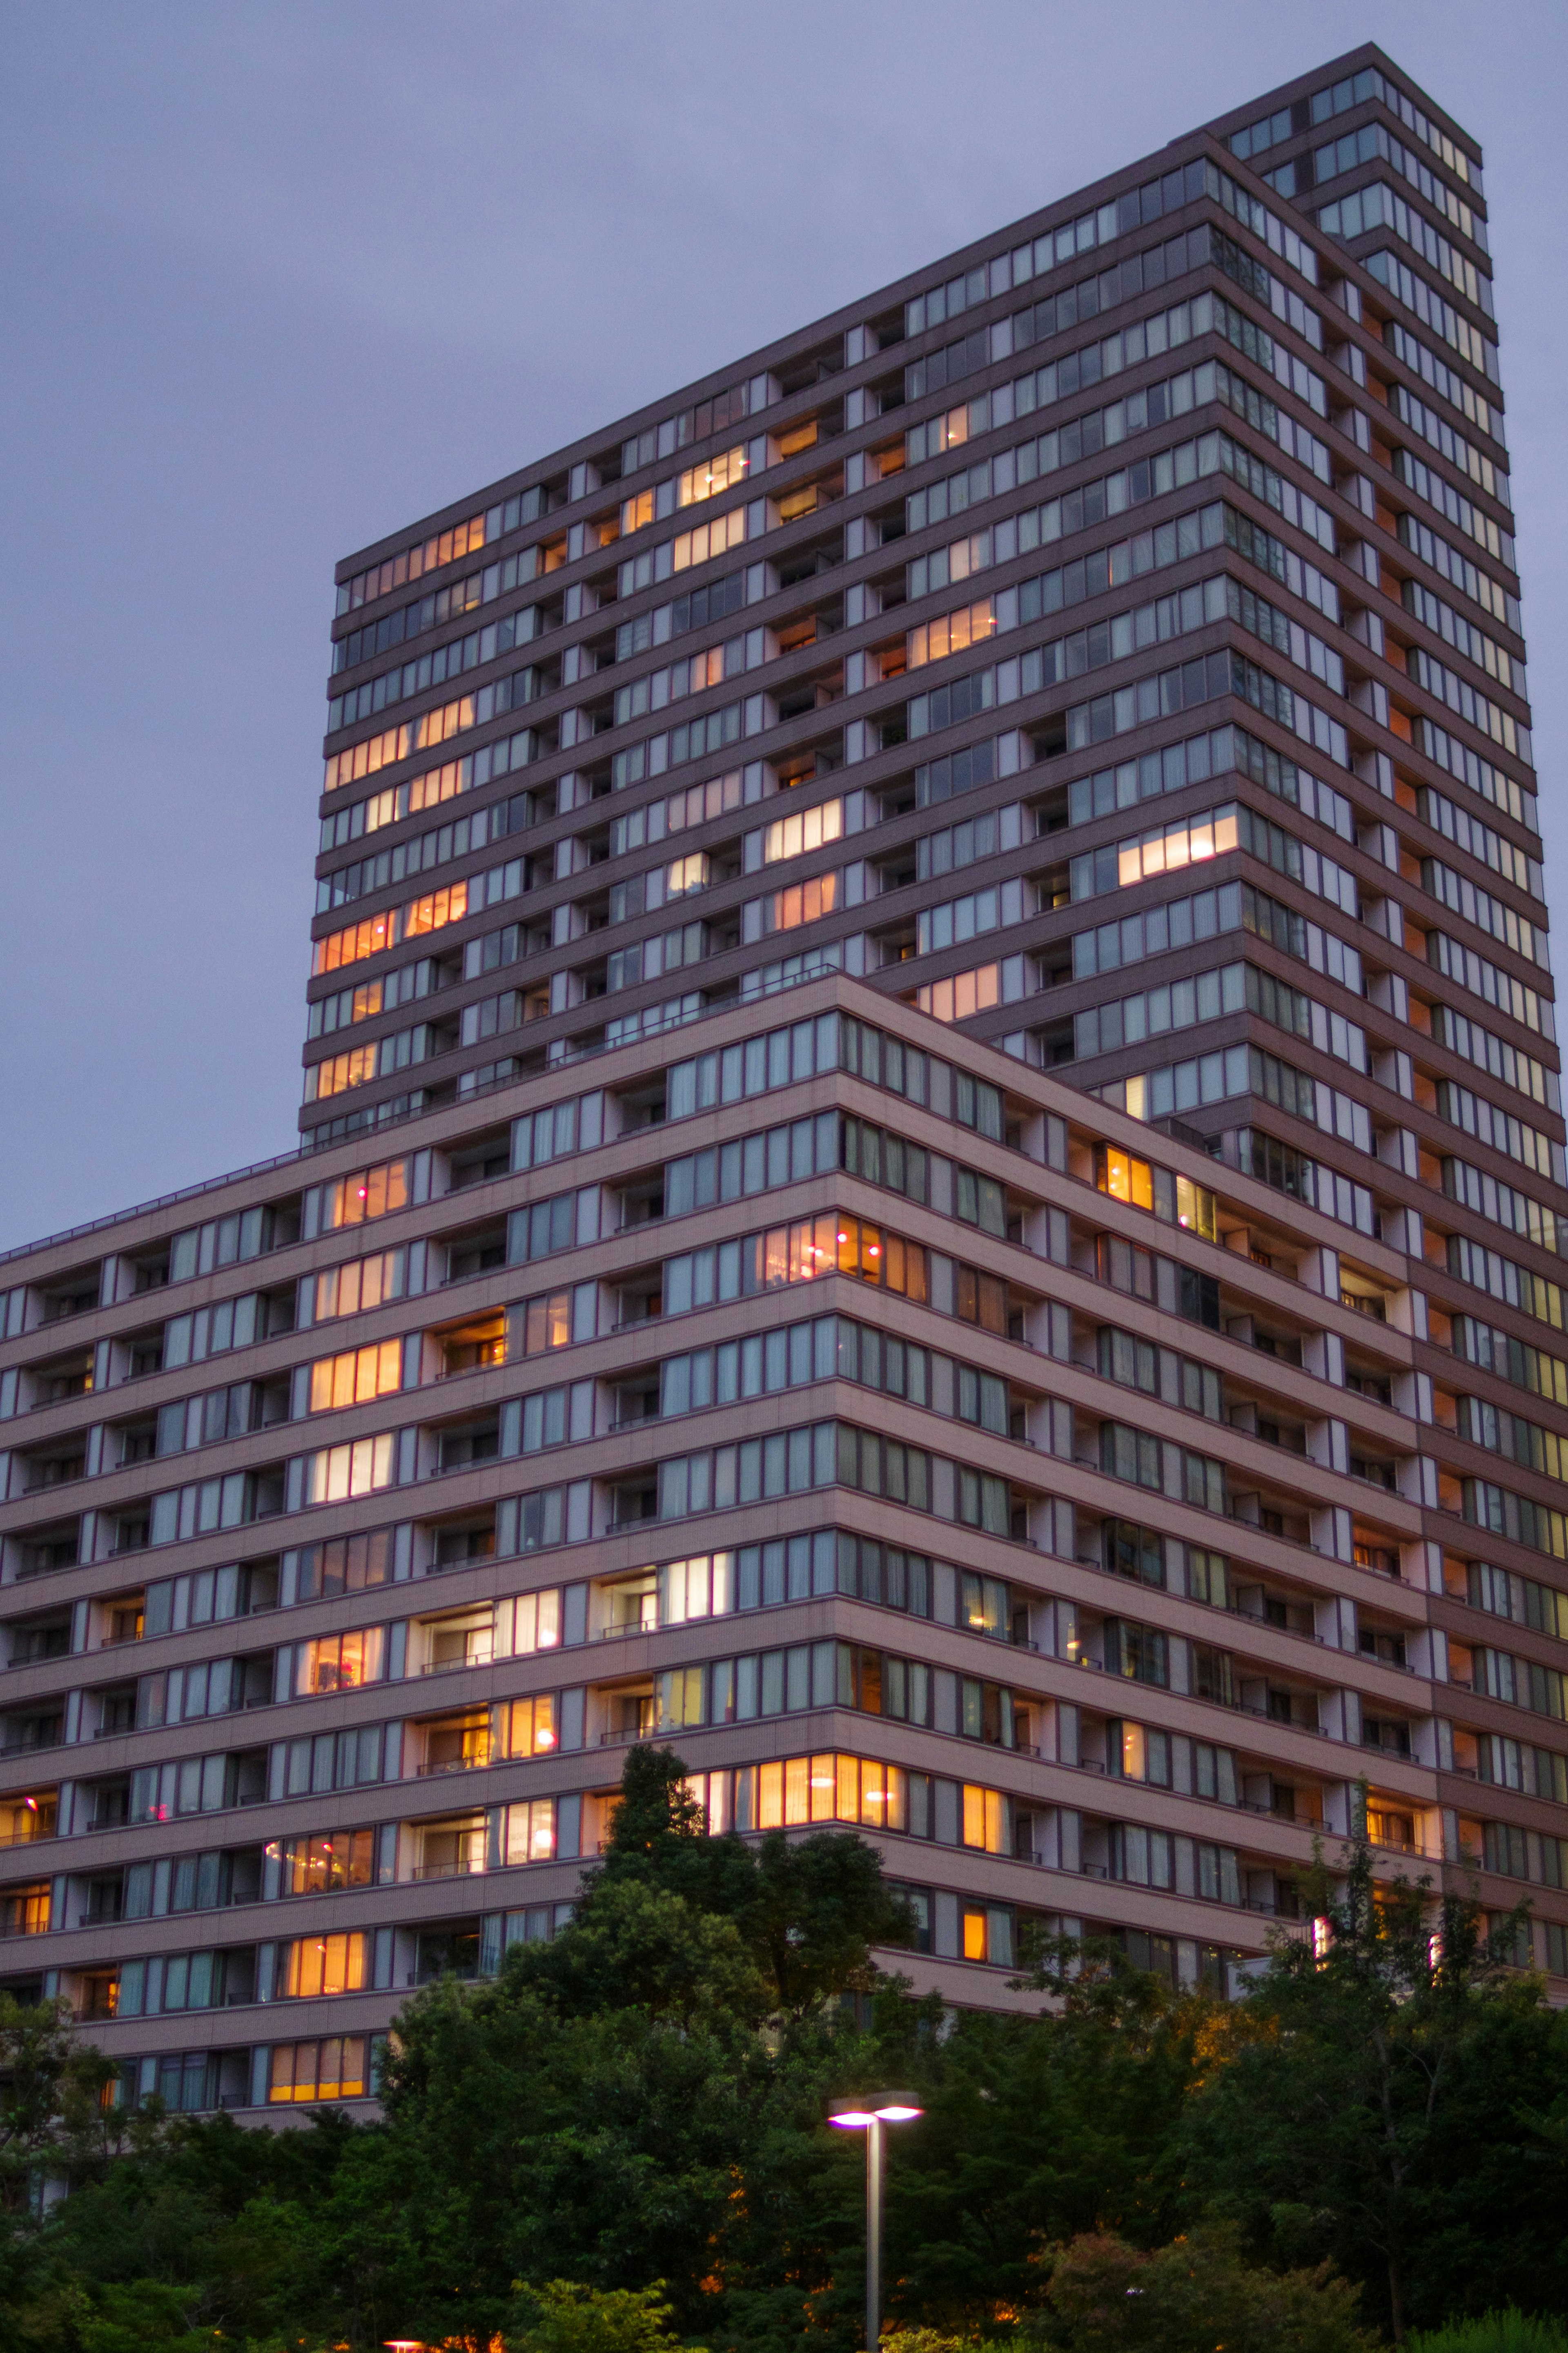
{"x": 875, "y": 2109}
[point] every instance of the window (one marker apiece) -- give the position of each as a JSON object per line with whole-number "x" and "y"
{"x": 984, "y": 1501}
{"x": 1137, "y": 1652}
{"x": 345, "y": 1565}
{"x": 1124, "y": 1178}
{"x": 1134, "y": 1753}
{"x": 369, "y": 1193}
{"x": 432, "y": 913}
{"x": 332, "y": 2068}
{"x": 312, "y": 1966}
{"x": 986, "y": 1820}
{"x": 840, "y": 1244}
{"x": 811, "y": 828}
{"x": 356, "y": 1376}
{"x": 25, "y": 1910}
{"x": 324, "y": 1864}
{"x": 412, "y": 563}
{"x": 340, "y": 1472}
{"x": 803, "y": 903}
{"x": 988, "y": 1935}
{"x": 824, "y": 1789}
{"x": 1208, "y": 1577}
{"x": 340, "y": 1661}
{"x": 362, "y": 1283}
{"x": 709, "y": 539}
{"x": 984, "y": 1606}
{"x": 686, "y": 874}
{"x": 530, "y": 1832}
{"x": 530, "y": 1727}
{"x": 952, "y": 633}
{"x": 1128, "y": 1550}
{"x": 711, "y": 475}
{"x": 536, "y": 1622}
{"x": 339, "y": 1073}
{"x": 961, "y": 995}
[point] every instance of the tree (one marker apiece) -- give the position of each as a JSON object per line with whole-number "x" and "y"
{"x": 1040, "y": 2128}
{"x": 565, "y": 2317}
{"x": 635, "y": 1944}
{"x": 806, "y": 1910}
{"x": 1188, "y": 2298}
{"x": 1389, "y": 2104}
{"x": 52, "y": 2118}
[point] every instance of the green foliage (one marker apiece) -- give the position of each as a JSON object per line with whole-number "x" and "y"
{"x": 1508, "y": 2331}
{"x": 644, "y": 2100}
{"x": 1188, "y": 2298}
{"x": 1383, "y": 2108}
{"x": 565, "y": 2317}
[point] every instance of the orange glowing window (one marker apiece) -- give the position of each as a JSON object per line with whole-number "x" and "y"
{"x": 368, "y": 1193}
{"x": 356, "y": 1376}
{"x": 1123, "y": 1177}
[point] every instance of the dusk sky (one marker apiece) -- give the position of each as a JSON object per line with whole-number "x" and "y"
{"x": 279, "y": 279}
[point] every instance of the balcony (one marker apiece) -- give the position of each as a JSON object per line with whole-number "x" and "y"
{"x": 454, "y": 1853}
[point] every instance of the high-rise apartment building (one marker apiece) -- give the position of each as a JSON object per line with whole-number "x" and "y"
{"x": 932, "y": 1168}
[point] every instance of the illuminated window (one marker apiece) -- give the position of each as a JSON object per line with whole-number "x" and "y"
{"x": 954, "y": 633}
{"x": 22, "y": 1819}
{"x": 356, "y": 1376}
{"x": 338, "y": 1472}
{"x": 825, "y": 1788}
{"x": 836, "y": 1243}
{"x": 362, "y": 1283}
{"x": 706, "y": 480}
{"x": 340, "y": 1661}
{"x": 364, "y": 758}
{"x": 536, "y": 1624}
{"x": 430, "y": 913}
{"x": 322, "y": 1964}
{"x": 1123, "y": 1177}
{"x": 940, "y": 433}
{"x": 321, "y": 1866}
{"x": 679, "y": 1698}
{"x": 963, "y": 994}
{"x": 710, "y": 539}
{"x": 986, "y": 1822}
{"x": 531, "y": 1729}
{"x": 431, "y": 727}
{"x": 635, "y": 511}
{"x": 1169, "y": 848}
{"x": 546, "y": 1323}
{"x": 412, "y": 562}
{"x": 685, "y": 874}
{"x": 339, "y": 1072}
{"x": 530, "y": 1832}
{"x": 332, "y": 2068}
{"x": 988, "y": 1935}
{"x": 985, "y": 1605}
{"x": 803, "y": 903}
{"x": 25, "y": 1910}
{"x": 810, "y": 828}
{"x": 368, "y": 1193}
{"x": 700, "y": 1588}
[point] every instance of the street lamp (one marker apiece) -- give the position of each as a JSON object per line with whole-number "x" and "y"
{"x": 869, "y": 2115}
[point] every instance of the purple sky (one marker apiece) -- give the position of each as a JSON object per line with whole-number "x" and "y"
{"x": 279, "y": 279}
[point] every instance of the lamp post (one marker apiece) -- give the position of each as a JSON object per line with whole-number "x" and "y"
{"x": 869, "y": 2115}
